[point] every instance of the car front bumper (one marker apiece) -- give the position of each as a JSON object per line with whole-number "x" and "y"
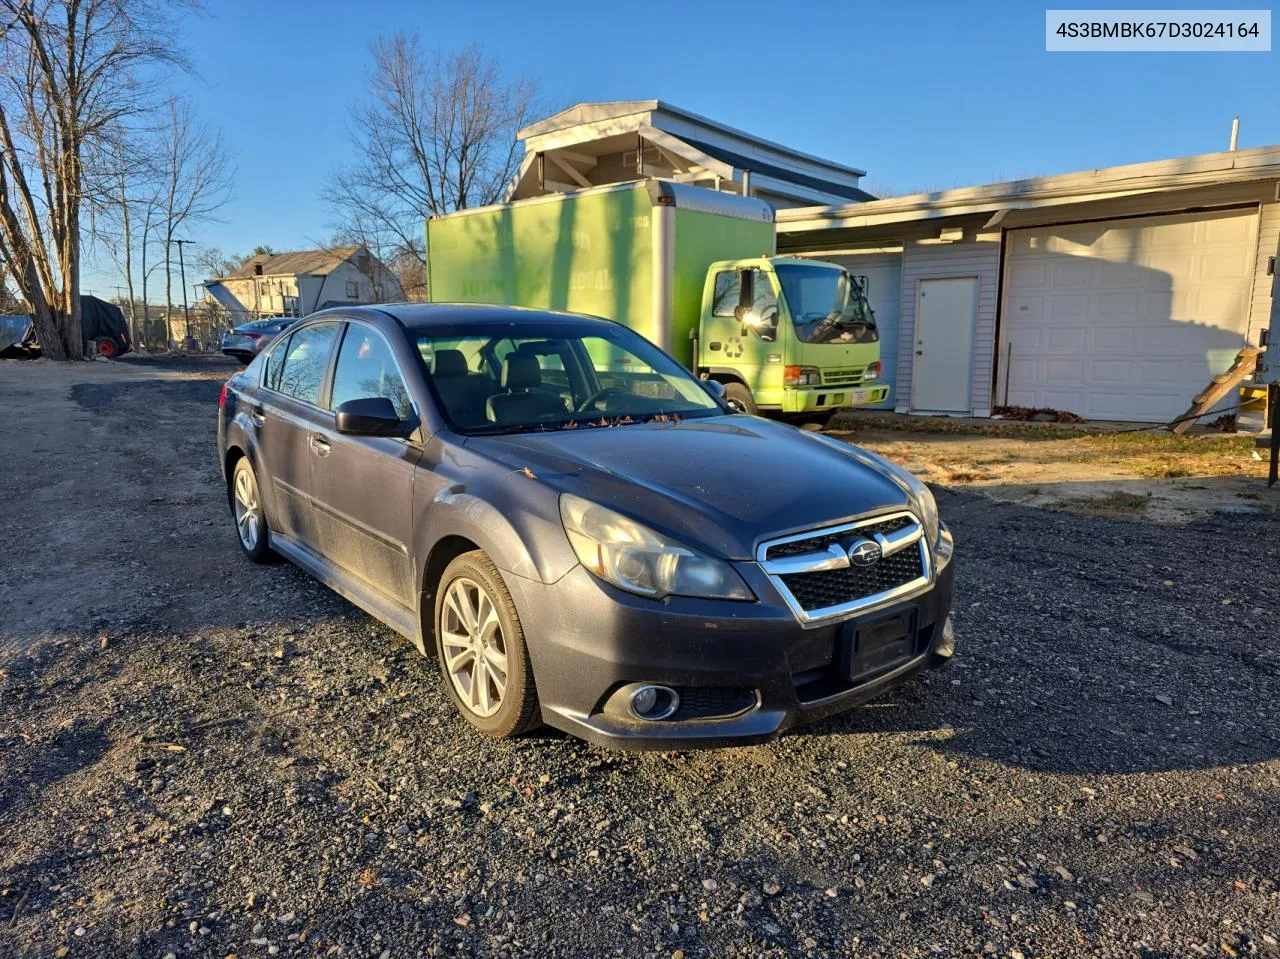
{"x": 817, "y": 398}
{"x": 750, "y": 669}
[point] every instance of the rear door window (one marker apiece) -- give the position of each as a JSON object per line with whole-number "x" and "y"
{"x": 275, "y": 363}
{"x": 305, "y": 362}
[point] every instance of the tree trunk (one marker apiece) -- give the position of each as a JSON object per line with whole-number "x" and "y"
{"x": 127, "y": 239}
{"x": 49, "y": 332}
{"x": 72, "y": 331}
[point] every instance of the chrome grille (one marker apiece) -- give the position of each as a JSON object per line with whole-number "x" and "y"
{"x": 849, "y": 377}
{"x": 813, "y": 573}
{"x": 816, "y": 542}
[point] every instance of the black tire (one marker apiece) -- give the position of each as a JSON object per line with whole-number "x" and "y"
{"x": 517, "y": 711}
{"x": 738, "y": 395}
{"x": 106, "y": 346}
{"x": 251, "y": 533}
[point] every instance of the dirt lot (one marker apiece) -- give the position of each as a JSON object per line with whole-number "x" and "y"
{"x": 200, "y": 757}
{"x": 1140, "y": 473}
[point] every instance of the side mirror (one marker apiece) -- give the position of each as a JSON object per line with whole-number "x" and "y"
{"x": 715, "y": 388}
{"x": 371, "y": 416}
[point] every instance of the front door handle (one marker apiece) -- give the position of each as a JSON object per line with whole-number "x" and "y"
{"x": 320, "y": 444}
{"x": 257, "y": 414}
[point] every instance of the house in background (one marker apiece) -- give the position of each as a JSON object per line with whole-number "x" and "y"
{"x": 300, "y": 283}
{"x": 1114, "y": 293}
{"x": 594, "y": 144}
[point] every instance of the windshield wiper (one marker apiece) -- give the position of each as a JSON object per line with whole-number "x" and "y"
{"x": 579, "y": 424}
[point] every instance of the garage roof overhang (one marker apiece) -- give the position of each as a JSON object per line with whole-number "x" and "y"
{"x": 573, "y": 146}
{"x": 998, "y": 200}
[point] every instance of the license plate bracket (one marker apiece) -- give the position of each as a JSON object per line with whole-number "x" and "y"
{"x": 871, "y": 646}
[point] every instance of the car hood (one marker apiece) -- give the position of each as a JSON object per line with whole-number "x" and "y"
{"x": 720, "y": 484}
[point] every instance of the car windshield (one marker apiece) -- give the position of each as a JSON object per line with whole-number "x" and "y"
{"x": 510, "y": 378}
{"x": 826, "y": 304}
{"x": 255, "y": 326}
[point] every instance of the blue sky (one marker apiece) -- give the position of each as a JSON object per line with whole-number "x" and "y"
{"x": 920, "y": 96}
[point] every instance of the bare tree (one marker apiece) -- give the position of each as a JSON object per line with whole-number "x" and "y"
{"x": 436, "y": 133}
{"x": 211, "y": 262}
{"x": 196, "y": 179}
{"x": 71, "y": 72}
{"x": 127, "y": 192}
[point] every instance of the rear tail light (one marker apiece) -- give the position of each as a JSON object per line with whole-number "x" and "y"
{"x": 872, "y": 372}
{"x": 793, "y": 376}
{"x": 222, "y": 397}
{"x": 252, "y": 336}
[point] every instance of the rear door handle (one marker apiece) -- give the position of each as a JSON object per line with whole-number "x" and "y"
{"x": 320, "y": 444}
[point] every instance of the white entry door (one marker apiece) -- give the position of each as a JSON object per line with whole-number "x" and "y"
{"x": 946, "y": 311}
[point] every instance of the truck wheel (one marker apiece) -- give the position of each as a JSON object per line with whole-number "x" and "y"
{"x": 739, "y": 396}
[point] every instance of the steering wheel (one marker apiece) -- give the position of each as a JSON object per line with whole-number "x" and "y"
{"x": 597, "y": 396}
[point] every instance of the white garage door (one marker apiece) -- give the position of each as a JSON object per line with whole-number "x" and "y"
{"x": 1125, "y": 319}
{"x": 884, "y": 274}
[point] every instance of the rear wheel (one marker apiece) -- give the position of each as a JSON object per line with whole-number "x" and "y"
{"x": 246, "y": 507}
{"x": 481, "y": 649}
{"x": 107, "y": 347}
{"x": 736, "y": 394}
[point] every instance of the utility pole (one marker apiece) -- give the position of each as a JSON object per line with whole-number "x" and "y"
{"x": 186, "y": 310}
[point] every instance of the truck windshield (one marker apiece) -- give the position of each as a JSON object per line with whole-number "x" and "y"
{"x": 530, "y": 377}
{"x": 827, "y": 305}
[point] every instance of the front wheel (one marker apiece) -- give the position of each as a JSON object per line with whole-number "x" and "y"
{"x": 737, "y": 395}
{"x": 107, "y": 347}
{"x": 481, "y": 649}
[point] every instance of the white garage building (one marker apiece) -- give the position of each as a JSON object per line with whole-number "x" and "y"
{"x": 1113, "y": 293}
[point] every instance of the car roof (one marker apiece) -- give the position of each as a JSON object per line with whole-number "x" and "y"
{"x": 422, "y": 317}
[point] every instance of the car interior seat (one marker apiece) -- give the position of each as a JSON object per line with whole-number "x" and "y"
{"x": 463, "y": 392}
{"x": 522, "y": 399}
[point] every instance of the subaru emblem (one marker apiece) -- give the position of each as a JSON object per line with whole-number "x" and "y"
{"x": 864, "y": 552}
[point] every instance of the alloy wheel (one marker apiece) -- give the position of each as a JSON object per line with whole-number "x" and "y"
{"x": 248, "y": 509}
{"x": 475, "y": 651}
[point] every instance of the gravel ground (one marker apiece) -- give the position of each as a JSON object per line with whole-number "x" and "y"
{"x": 200, "y": 757}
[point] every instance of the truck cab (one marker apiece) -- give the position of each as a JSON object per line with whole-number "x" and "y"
{"x": 789, "y": 335}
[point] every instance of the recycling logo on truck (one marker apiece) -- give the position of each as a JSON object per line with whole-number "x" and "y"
{"x": 733, "y": 347}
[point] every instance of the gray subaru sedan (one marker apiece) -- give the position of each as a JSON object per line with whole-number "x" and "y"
{"x": 579, "y": 531}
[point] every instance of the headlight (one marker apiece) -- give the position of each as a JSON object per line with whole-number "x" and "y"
{"x": 920, "y": 494}
{"x": 872, "y": 373}
{"x": 794, "y": 376}
{"x": 929, "y": 509}
{"x": 635, "y": 558}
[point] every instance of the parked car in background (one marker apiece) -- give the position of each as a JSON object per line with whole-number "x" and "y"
{"x": 580, "y": 531}
{"x": 247, "y": 340}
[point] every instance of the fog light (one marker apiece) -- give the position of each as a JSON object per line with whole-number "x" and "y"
{"x": 653, "y": 702}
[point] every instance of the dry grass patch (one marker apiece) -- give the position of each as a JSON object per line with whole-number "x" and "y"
{"x": 1116, "y": 503}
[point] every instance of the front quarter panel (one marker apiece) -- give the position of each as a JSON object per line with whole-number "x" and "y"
{"x": 510, "y": 514}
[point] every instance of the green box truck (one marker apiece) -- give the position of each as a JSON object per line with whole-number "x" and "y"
{"x": 691, "y": 269}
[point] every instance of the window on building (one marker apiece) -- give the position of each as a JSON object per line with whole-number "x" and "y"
{"x": 353, "y": 290}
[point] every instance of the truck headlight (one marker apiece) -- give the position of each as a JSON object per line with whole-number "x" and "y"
{"x": 793, "y": 376}
{"x": 872, "y": 373}
{"x": 635, "y": 558}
